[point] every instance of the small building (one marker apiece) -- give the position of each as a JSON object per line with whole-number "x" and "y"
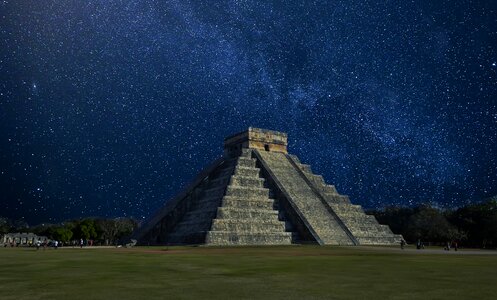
{"x": 22, "y": 238}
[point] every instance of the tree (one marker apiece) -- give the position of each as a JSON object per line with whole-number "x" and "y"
{"x": 430, "y": 224}
{"x": 62, "y": 233}
{"x": 115, "y": 229}
{"x": 85, "y": 229}
{"x": 479, "y": 221}
{"x": 422, "y": 222}
{"x": 5, "y": 225}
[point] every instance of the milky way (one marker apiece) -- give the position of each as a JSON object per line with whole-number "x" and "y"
{"x": 108, "y": 108}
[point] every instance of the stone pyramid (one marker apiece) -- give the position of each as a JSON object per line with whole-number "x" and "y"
{"x": 258, "y": 194}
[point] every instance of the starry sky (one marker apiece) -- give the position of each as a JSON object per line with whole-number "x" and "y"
{"x": 108, "y": 108}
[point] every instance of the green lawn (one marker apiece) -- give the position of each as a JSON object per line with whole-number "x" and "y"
{"x": 294, "y": 272}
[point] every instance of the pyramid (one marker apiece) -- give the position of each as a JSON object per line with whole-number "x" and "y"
{"x": 258, "y": 194}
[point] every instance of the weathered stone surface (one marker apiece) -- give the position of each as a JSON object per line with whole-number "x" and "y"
{"x": 257, "y": 194}
{"x": 256, "y": 138}
{"x": 316, "y": 214}
{"x": 365, "y": 228}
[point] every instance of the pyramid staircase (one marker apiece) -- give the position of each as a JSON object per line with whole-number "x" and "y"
{"x": 326, "y": 227}
{"x": 235, "y": 209}
{"x": 258, "y": 194}
{"x": 365, "y": 228}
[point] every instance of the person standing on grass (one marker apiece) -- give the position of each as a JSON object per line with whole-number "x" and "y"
{"x": 38, "y": 245}
{"x": 81, "y": 243}
{"x": 402, "y": 244}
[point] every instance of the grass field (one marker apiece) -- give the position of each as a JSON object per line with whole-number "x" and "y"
{"x": 296, "y": 272}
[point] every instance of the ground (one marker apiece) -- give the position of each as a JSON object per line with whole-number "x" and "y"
{"x": 291, "y": 272}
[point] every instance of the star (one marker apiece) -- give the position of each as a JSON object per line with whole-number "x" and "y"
{"x": 392, "y": 104}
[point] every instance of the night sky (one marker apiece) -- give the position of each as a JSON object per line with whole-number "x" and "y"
{"x": 108, "y": 108}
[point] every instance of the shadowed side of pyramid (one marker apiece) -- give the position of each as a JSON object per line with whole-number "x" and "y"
{"x": 258, "y": 194}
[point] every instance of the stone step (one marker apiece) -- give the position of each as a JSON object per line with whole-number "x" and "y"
{"x": 385, "y": 228}
{"x": 374, "y": 228}
{"x": 355, "y": 215}
{"x": 328, "y": 228}
{"x": 246, "y": 162}
{"x": 325, "y": 226}
{"x": 306, "y": 168}
{"x": 240, "y": 213}
{"x": 347, "y": 208}
{"x": 215, "y": 192}
{"x": 295, "y": 158}
{"x": 188, "y": 226}
{"x": 248, "y": 172}
{"x": 220, "y": 181}
{"x": 208, "y": 203}
{"x": 247, "y": 192}
{"x": 329, "y": 189}
{"x": 247, "y": 181}
{"x": 357, "y": 218}
{"x": 200, "y": 214}
{"x": 228, "y": 171}
{"x": 318, "y": 180}
{"x": 280, "y": 168}
{"x": 248, "y": 226}
{"x": 246, "y": 153}
{"x": 235, "y": 238}
{"x": 380, "y": 240}
{"x": 244, "y": 198}
{"x": 333, "y": 198}
{"x": 235, "y": 202}
{"x": 368, "y": 234}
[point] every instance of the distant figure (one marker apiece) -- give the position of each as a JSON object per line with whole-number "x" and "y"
{"x": 402, "y": 244}
{"x": 447, "y": 247}
{"x": 38, "y": 244}
{"x": 56, "y": 245}
{"x": 455, "y": 246}
{"x": 81, "y": 243}
{"x": 418, "y": 244}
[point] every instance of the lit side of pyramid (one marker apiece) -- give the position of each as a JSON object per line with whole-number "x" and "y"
{"x": 258, "y": 194}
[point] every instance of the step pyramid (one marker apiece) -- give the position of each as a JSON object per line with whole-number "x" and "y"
{"x": 258, "y": 194}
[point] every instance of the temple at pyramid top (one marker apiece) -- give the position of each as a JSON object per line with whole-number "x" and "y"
{"x": 256, "y": 138}
{"x": 258, "y": 194}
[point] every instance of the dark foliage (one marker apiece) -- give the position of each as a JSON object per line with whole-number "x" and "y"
{"x": 474, "y": 225}
{"x": 102, "y": 231}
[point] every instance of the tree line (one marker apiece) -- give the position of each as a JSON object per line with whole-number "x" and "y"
{"x": 101, "y": 231}
{"x": 473, "y": 225}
